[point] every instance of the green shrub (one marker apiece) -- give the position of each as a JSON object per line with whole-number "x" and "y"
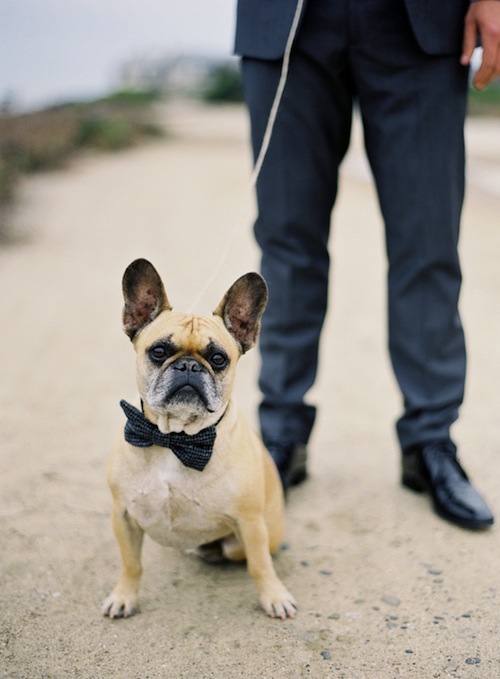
{"x": 223, "y": 86}
{"x": 485, "y": 103}
{"x": 133, "y": 97}
{"x": 106, "y": 134}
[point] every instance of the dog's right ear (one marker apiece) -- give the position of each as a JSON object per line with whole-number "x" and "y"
{"x": 144, "y": 296}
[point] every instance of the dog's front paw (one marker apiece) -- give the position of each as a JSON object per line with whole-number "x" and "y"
{"x": 279, "y": 603}
{"x": 120, "y": 604}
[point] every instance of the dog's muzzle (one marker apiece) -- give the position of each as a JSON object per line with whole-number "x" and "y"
{"x": 187, "y": 378}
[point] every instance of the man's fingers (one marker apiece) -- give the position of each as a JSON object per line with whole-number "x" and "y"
{"x": 483, "y": 21}
{"x": 490, "y": 64}
{"x": 469, "y": 41}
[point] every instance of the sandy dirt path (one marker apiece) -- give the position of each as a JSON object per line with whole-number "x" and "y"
{"x": 386, "y": 589}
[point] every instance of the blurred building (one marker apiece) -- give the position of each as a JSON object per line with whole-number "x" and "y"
{"x": 171, "y": 73}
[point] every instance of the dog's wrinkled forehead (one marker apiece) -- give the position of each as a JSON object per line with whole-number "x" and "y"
{"x": 189, "y": 334}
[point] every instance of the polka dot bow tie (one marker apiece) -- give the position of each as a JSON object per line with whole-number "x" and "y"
{"x": 193, "y": 451}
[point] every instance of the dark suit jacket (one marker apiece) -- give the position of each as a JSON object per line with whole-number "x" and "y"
{"x": 263, "y": 26}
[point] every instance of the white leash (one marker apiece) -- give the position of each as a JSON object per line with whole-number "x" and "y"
{"x": 262, "y": 152}
{"x": 278, "y": 96}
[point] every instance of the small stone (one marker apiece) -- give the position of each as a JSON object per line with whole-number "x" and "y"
{"x": 326, "y": 572}
{"x": 326, "y": 655}
{"x": 391, "y": 600}
{"x": 334, "y": 616}
{"x": 473, "y": 661}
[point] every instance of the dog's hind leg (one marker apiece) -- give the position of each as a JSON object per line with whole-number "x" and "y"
{"x": 218, "y": 551}
{"x": 233, "y": 549}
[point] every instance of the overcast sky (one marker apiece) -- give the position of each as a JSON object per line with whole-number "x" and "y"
{"x": 62, "y": 49}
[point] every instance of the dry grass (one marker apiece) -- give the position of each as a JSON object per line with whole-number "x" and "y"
{"x": 47, "y": 139}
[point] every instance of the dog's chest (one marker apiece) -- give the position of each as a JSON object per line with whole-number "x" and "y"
{"x": 173, "y": 505}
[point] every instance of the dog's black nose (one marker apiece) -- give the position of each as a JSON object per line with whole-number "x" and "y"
{"x": 187, "y": 364}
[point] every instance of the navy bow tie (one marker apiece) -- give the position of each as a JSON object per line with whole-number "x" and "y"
{"x": 193, "y": 451}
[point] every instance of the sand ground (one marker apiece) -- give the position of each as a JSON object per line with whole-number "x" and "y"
{"x": 386, "y": 589}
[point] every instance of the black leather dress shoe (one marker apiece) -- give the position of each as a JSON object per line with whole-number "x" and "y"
{"x": 290, "y": 459}
{"x": 434, "y": 468}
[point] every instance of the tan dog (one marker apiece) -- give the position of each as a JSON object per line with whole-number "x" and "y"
{"x": 185, "y": 372}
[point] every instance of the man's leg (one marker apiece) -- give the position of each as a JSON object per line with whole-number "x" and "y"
{"x": 413, "y": 108}
{"x": 296, "y": 191}
{"x": 413, "y": 118}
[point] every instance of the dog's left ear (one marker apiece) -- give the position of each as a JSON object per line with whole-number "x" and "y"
{"x": 241, "y": 309}
{"x": 144, "y": 296}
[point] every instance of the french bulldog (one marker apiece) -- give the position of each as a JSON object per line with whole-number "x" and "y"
{"x": 188, "y": 471}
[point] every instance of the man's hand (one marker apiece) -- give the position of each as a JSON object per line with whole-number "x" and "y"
{"x": 483, "y": 21}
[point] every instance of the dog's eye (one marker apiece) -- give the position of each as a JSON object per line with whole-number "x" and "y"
{"x": 218, "y": 360}
{"x": 158, "y": 354}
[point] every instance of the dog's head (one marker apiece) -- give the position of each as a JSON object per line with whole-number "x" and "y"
{"x": 185, "y": 363}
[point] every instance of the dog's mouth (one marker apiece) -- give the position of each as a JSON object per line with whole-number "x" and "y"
{"x": 187, "y": 393}
{"x": 185, "y": 385}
